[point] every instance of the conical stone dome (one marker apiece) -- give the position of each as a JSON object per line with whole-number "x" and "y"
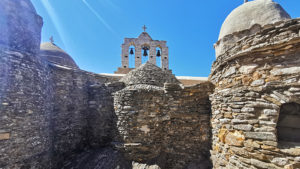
{"x": 261, "y": 12}
{"x": 149, "y": 74}
{"x": 56, "y": 55}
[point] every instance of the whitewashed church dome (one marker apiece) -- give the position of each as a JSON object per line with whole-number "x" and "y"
{"x": 262, "y": 12}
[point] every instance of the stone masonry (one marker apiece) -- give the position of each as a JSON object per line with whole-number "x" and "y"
{"x": 54, "y": 115}
{"x": 159, "y": 122}
{"x": 144, "y": 40}
{"x": 255, "y": 78}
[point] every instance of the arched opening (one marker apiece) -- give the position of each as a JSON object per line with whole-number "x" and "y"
{"x": 288, "y": 127}
{"x": 131, "y": 58}
{"x": 145, "y": 53}
{"x": 158, "y": 56}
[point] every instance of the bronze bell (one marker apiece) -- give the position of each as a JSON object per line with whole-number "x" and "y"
{"x": 158, "y": 53}
{"x": 131, "y": 51}
{"x": 145, "y": 53}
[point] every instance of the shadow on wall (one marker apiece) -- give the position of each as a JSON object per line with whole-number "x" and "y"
{"x": 288, "y": 125}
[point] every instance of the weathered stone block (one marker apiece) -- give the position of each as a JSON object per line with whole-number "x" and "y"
{"x": 251, "y": 144}
{"x": 292, "y": 166}
{"x": 222, "y": 134}
{"x": 285, "y": 71}
{"x": 280, "y": 161}
{"x": 270, "y": 112}
{"x": 261, "y": 135}
{"x": 235, "y": 138}
{"x": 247, "y": 109}
{"x": 292, "y": 151}
{"x": 248, "y": 69}
{"x": 4, "y": 136}
{"x": 258, "y": 82}
{"x": 230, "y": 71}
{"x": 246, "y": 127}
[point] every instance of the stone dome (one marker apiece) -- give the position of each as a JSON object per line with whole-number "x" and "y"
{"x": 20, "y": 25}
{"x": 149, "y": 74}
{"x": 56, "y": 55}
{"x": 262, "y": 12}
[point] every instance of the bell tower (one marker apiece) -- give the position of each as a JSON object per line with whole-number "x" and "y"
{"x": 136, "y": 51}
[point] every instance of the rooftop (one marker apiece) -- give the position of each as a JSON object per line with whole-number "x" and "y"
{"x": 261, "y": 12}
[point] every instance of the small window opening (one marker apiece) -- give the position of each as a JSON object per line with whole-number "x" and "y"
{"x": 131, "y": 59}
{"x": 288, "y": 127}
{"x": 158, "y": 56}
{"x": 125, "y": 66}
{"x": 145, "y": 53}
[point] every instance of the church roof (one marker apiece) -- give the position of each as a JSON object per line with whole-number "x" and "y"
{"x": 145, "y": 35}
{"x": 149, "y": 74}
{"x": 56, "y": 55}
{"x": 262, "y": 12}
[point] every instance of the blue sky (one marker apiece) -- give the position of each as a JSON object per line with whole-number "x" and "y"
{"x": 92, "y": 31}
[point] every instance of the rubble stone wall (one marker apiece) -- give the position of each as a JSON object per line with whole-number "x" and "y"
{"x": 254, "y": 78}
{"x": 25, "y": 108}
{"x": 165, "y": 126}
{"x": 101, "y": 115}
{"x": 47, "y": 112}
{"x": 82, "y": 111}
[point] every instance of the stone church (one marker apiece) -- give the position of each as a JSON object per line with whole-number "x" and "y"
{"x": 246, "y": 114}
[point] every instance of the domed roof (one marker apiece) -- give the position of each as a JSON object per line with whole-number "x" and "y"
{"x": 260, "y": 12}
{"x": 149, "y": 74}
{"x": 56, "y": 55}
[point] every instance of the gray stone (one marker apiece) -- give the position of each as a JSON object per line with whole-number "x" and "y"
{"x": 265, "y": 129}
{"x": 261, "y": 135}
{"x": 230, "y": 71}
{"x": 246, "y": 127}
{"x": 280, "y": 161}
{"x": 248, "y": 69}
{"x": 247, "y": 109}
{"x": 285, "y": 71}
{"x": 258, "y": 82}
{"x": 270, "y": 112}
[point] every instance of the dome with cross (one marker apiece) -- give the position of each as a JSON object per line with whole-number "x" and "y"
{"x": 56, "y": 55}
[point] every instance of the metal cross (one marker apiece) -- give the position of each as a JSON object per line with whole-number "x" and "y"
{"x": 51, "y": 39}
{"x": 144, "y": 27}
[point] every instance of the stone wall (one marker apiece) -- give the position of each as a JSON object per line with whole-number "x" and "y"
{"x": 254, "y": 78}
{"x": 165, "y": 126}
{"x": 52, "y": 114}
{"x": 82, "y": 111}
{"x": 101, "y": 115}
{"x": 20, "y": 26}
{"x": 47, "y": 112}
{"x": 25, "y": 108}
